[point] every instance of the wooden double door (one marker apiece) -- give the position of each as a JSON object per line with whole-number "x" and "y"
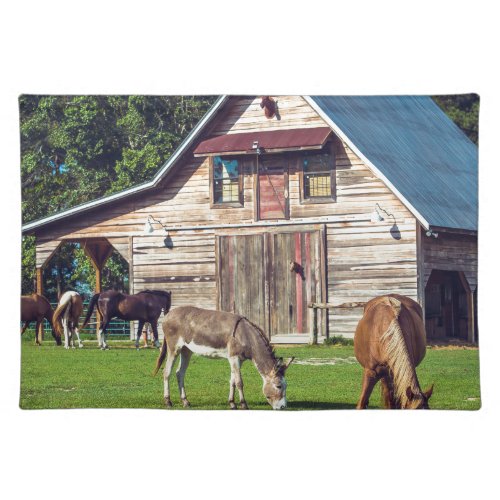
{"x": 271, "y": 278}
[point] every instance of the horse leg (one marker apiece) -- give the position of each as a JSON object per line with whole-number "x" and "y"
{"x": 171, "y": 357}
{"x": 370, "y": 378}
{"x": 139, "y": 333}
{"x": 388, "y": 392}
{"x": 66, "y": 331}
{"x": 37, "y": 332}
{"x": 181, "y": 372}
{"x": 102, "y": 332}
{"x": 26, "y": 324}
{"x": 236, "y": 379}
{"x": 77, "y": 333}
{"x": 154, "y": 326}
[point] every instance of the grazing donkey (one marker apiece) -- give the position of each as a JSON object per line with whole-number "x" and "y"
{"x": 221, "y": 334}
{"x": 68, "y": 312}
{"x": 390, "y": 343}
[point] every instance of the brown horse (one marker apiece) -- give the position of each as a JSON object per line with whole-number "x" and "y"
{"x": 390, "y": 343}
{"x": 224, "y": 335}
{"x": 145, "y": 307}
{"x": 66, "y": 317}
{"x": 36, "y": 307}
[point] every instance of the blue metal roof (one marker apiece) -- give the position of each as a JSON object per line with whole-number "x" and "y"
{"x": 417, "y": 148}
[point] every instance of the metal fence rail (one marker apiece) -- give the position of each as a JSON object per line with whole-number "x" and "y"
{"x": 117, "y": 328}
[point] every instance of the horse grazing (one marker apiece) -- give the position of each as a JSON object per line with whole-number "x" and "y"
{"x": 390, "y": 343}
{"x": 145, "y": 306}
{"x": 221, "y": 334}
{"x": 66, "y": 317}
{"x": 35, "y": 308}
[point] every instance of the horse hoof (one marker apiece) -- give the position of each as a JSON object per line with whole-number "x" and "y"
{"x": 232, "y": 405}
{"x": 168, "y": 403}
{"x": 244, "y": 406}
{"x": 186, "y": 403}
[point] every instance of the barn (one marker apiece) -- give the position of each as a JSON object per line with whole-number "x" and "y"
{"x": 295, "y": 211}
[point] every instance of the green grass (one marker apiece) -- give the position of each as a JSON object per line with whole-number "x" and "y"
{"x": 52, "y": 377}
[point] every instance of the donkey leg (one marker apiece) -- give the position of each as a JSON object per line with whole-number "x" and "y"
{"x": 235, "y": 363}
{"x": 181, "y": 372}
{"x": 171, "y": 357}
{"x": 139, "y": 333}
{"x": 370, "y": 378}
{"x": 232, "y": 387}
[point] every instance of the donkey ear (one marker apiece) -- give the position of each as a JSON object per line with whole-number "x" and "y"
{"x": 428, "y": 392}
{"x": 288, "y": 363}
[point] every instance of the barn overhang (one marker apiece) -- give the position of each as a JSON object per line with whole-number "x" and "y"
{"x": 273, "y": 141}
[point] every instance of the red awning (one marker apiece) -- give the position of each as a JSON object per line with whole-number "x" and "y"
{"x": 272, "y": 141}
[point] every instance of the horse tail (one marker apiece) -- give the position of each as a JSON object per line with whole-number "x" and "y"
{"x": 64, "y": 303}
{"x": 92, "y": 304}
{"x": 161, "y": 357}
{"x": 398, "y": 357}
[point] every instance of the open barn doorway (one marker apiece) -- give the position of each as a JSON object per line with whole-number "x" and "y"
{"x": 71, "y": 268}
{"x": 446, "y": 306}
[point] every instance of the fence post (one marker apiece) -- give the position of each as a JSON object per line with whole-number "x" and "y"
{"x": 314, "y": 339}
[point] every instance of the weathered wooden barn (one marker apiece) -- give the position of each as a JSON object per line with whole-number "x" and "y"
{"x": 271, "y": 204}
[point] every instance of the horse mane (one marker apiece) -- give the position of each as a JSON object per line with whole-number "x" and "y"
{"x": 398, "y": 359}
{"x": 267, "y": 344}
{"x": 161, "y": 293}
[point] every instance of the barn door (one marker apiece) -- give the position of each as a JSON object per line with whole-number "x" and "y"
{"x": 273, "y": 188}
{"x": 271, "y": 278}
{"x": 294, "y": 281}
{"x": 241, "y": 277}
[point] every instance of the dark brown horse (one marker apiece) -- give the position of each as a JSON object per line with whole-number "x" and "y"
{"x": 390, "y": 343}
{"x": 36, "y": 307}
{"x": 145, "y": 307}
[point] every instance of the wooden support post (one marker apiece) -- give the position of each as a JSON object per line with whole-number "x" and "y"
{"x": 314, "y": 340}
{"x": 98, "y": 289}
{"x": 39, "y": 291}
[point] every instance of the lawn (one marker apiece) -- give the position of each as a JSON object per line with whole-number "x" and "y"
{"x": 52, "y": 377}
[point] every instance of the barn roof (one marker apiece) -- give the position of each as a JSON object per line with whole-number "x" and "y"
{"x": 416, "y": 149}
{"x": 406, "y": 140}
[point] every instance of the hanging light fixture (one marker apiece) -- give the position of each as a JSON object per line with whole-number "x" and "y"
{"x": 148, "y": 226}
{"x": 375, "y": 216}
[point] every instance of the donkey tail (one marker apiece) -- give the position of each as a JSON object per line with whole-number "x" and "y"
{"x": 61, "y": 307}
{"x": 161, "y": 357}
{"x": 92, "y": 304}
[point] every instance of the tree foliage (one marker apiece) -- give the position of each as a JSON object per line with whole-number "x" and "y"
{"x": 463, "y": 109}
{"x": 78, "y": 148}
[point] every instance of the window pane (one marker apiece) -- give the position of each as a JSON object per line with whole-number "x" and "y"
{"x": 317, "y": 185}
{"x": 226, "y": 180}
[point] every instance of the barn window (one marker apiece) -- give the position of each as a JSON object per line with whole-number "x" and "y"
{"x": 226, "y": 181}
{"x": 318, "y": 176}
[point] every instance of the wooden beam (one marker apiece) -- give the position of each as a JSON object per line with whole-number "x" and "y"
{"x": 470, "y": 307}
{"x": 39, "y": 291}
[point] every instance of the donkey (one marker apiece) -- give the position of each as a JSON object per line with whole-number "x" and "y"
{"x": 390, "y": 343}
{"x": 145, "y": 306}
{"x": 221, "y": 334}
{"x": 68, "y": 312}
{"x": 36, "y": 307}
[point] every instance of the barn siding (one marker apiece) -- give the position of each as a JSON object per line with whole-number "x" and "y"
{"x": 451, "y": 252}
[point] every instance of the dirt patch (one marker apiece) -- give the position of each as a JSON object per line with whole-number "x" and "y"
{"x": 325, "y": 361}
{"x": 451, "y": 345}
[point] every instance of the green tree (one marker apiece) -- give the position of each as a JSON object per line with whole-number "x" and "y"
{"x": 463, "y": 109}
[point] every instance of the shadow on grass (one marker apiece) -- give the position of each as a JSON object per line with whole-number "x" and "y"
{"x": 319, "y": 405}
